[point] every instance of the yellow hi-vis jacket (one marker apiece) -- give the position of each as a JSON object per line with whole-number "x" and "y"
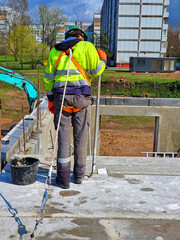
{"x": 86, "y": 55}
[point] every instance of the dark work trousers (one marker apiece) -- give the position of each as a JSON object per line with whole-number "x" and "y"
{"x": 80, "y": 121}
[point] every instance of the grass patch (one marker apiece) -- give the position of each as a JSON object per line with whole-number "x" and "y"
{"x": 159, "y": 85}
{"x": 113, "y": 82}
{"x": 128, "y": 122}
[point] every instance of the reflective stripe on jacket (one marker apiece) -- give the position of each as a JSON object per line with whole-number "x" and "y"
{"x": 86, "y": 55}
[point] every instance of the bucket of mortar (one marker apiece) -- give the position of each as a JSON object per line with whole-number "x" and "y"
{"x": 24, "y": 171}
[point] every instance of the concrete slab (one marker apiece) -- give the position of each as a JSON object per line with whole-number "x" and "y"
{"x": 107, "y": 206}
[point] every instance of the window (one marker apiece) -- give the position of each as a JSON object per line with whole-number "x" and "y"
{"x": 169, "y": 65}
{"x": 141, "y": 62}
{"x": 156, "y": 65}
{"x": 164, "y": 32}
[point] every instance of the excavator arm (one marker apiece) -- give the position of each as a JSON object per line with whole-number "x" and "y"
{"x": 9, "y": 76}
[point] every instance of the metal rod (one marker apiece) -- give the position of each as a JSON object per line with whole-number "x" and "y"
{"x": 38, "y": 103}
{"x": 24, "y": 135}
{"x": 51, "y": 139}
{"x": 0, "y": 136}
{"x": 89, "y": 140}
{"x": 96, "y": 127}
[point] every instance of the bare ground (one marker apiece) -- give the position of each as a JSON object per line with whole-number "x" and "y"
{"x": 116, "y": 141}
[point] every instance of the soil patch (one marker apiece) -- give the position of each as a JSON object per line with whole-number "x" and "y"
{"x": 117, "y": 141}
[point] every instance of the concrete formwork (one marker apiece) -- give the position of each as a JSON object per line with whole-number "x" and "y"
{"x": 167, "y": 131}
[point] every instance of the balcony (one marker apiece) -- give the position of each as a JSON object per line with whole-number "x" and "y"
{"x": 163, "y": 50}
{"x": 166, "y": 3}
{"x": 165, "y": 26}
{"x": 166, "y": 15}
{"x": 164, "y": 38}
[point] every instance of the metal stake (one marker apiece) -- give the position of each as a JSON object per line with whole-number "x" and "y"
{"x": 38, "y": 101}
{"x": 24, "y": 135}
{"x": 0, "y": 136}
{"x": 96, "y": 127}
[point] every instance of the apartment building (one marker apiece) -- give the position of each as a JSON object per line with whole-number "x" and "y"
{"x": 97, "y": 30}
{"x": 5, "y": 18}
{"x": 60, "y": 30}
{"x": 135, "y": 28}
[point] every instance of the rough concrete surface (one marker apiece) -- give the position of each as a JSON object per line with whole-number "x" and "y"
{"x": 117, "y": 205}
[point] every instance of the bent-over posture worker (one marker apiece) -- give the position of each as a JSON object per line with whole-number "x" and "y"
{"x": 86, "y": 63}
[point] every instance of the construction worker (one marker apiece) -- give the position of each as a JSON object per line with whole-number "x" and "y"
{"x": 86, "y": 63}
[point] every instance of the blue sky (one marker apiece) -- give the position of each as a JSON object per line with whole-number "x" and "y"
{"x": 83, "y": 10}
{"x": 174, "y": 12}
{"x": 74, "y": 10}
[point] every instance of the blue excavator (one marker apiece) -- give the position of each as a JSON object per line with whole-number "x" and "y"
{"x": 11, "y": 77}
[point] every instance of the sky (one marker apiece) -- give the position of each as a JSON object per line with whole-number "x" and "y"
{"x": 83, "y": 10}
{"x": 174, "y": 12}
{"x": 74, "y": 10}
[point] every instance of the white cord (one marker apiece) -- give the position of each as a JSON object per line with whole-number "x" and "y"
{"x": 60, "y": 114}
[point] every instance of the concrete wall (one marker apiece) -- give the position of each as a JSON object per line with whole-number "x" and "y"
{"x": 168, "y": 131}
{"x": 37, "y": 140}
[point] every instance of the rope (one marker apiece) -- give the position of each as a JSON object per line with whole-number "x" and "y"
{"x": 47, "y": 184}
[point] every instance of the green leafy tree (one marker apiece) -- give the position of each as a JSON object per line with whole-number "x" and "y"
{"x": 38, "y": 53}
{"x": 21, "y": 41}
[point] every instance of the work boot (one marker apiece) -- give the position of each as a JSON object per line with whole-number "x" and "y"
{"x": 62, "y": 185}
{"x": 63, "y": 175}
{"x": 78, "y": 180}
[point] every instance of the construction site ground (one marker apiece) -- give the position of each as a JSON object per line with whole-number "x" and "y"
{"x": 116, "y": 139}
{"x": 127, "y": 198}
{"x": 136, "y": 199}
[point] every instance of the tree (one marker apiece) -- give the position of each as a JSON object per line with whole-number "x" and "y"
{"x": 21, "y": 41}
{"x": 173, "y": 49}
{"x": 39, "y": 53}
{"x": 3, "y": 43}
{"x": 57, "y": 17}
{"x": 18, "y": 14}
{"x": 105, "y": 43}
{"x": 49, "y": 18}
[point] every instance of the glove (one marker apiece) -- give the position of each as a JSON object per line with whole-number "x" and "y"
{"x": 102, "y": 55}
{"x": 51, "y": 107}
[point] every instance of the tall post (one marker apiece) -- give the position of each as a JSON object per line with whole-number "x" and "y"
{"x": 38, "y": 103}
{"x": 0, "y": 136}
{"x": 24, "y": 134}
{"x": 96, "y": 127}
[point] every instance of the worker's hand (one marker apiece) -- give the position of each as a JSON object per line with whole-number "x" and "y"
{"x": 102, "y": 55}
{"x": 51, "y": 107}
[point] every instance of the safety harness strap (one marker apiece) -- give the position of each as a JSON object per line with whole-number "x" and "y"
{"x": 71, "y": 109}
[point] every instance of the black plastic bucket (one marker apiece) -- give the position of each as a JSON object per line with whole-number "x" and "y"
{"x": 24, "y": 171}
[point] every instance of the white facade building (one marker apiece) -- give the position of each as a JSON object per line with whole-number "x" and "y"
{"x": 60, "y": 30}
{"x": 6, "y": 15}
{"x": 97, "y": 30}
{"x": 135, "y": 28}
